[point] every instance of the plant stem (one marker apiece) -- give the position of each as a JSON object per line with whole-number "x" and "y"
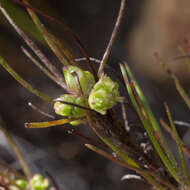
{"x": 113, "y": 37}
{"x": 39, "y": 65}
{"x": 65, "y": 28}
{"x": 32, "y": 45}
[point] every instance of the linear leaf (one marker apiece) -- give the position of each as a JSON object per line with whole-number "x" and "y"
{"x": 28, "y": 86}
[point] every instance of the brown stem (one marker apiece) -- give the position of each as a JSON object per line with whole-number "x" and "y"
{"x": 35, "y": 49}
{"x": 125, "y": 117}
{"x": 74, "y": 36}
{"x": 112, "y": 39}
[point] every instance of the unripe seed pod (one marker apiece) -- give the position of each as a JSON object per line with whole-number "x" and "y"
{"x": 22, "y": 183}
{"x": 86, "y": 79}
{"x": 104, "y": 95}
{"x": 39, "y": 183}
{"x": 69, "y": 110}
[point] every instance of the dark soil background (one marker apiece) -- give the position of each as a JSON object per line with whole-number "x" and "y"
{"x": 53, "y": 149}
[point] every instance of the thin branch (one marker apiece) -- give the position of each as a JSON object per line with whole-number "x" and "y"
{"x": 32, "y": 45}
{"x": 65, "y": 28}
{"x": 40, "y": 111}
{"x": 91, "y": 59}
{"x": 168, "y": 129}
{"x": 39, "y": 65}
{"x": 125, "y": 117}
{"x": 49, "y": 38}
{"x": 112, "y": 39}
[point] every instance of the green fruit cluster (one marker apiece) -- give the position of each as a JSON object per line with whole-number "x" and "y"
{"x": 36, "y": 183}
{"x": 99, "y": 96}
{"x": 39, "y": 183}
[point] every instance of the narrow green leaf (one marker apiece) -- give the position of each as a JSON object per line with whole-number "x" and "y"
{"x": 180, "y": 148}
{"x": 157, "y": 147}
{"x": 132, "y": 163}
{"x": 23, "y": 82}
{"x": 48, "y": 123}
{"x": 51, "y": 40}
{"x": 120, "y": 153}
{"x": 152, "y": 118}
{"x": 106, "y": 140}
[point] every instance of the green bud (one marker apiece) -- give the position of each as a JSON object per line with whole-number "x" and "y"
{"x": 69, "y": 110}
{"x": 39, "y": 183}
{"x": 22, "y": 183}
{"x": 104, "y": 95}
{"x": 86, "y": 79}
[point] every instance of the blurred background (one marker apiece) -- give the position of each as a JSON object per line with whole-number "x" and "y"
{"x": 148, "y": 27}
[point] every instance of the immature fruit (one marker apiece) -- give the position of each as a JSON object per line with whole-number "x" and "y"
{"x": 22, "y": 183}
{"x": 104, "y": 95}
{"x": 69, "y": 110}
{"x": 39, "y": 183}
{"x": 86, "y": 79}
